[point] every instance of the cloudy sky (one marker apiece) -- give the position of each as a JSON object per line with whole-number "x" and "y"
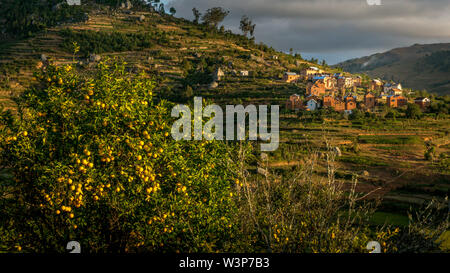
{"x": 334, "y": 30}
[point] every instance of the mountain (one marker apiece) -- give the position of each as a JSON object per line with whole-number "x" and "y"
{"x": 417, "y": 67}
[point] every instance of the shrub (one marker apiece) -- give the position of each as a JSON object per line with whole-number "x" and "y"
{"x": 413, "y": 111}
{"x": 295, "y": 213}
{"x": 91, "y": 159}
{"x": 386, "y": 139}
{"x": 101, "y": 41}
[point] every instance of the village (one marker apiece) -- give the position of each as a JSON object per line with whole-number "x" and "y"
{"x": 344, "y": 93}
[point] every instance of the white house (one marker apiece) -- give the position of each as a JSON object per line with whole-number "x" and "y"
{"x": 243, "y": 73}
{"x": 391, "y": 86}
{"x": 74, "y": 2}
{"x": 398, "y": 86}
{"x": 312, "y": 105}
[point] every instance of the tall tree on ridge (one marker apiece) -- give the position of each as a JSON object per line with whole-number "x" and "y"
{"x": 197, "y": 15}
{"x": 172, "y": 11}
{"x": 247, "y": 26}
{"x": 214, "y": 16}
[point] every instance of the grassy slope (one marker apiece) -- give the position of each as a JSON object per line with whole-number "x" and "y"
{"x": 185, "y": 40}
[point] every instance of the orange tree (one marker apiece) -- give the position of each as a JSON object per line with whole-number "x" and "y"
{"x": 91, "y": 160}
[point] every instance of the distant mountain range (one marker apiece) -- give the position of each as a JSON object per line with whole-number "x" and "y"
{"x": 417, "y": 67}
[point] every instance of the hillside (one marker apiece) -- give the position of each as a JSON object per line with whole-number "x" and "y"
{"x": 386, "y": 150}
{"x": 417, "y": 67}
{"x": 175, "y": 51}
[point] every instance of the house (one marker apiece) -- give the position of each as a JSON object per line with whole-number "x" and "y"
{"x": 339, "y": 105}
{"x": 332, "y": 102}
{"x": 307, "y": 73}
{"x": 382, "y": 99}
{"x": 350, "y": 103}
{"x": 294, "y": 102}
{"x": 344, "y": 82}
{"x": 243, "y": 73}
{"x": 316, "y": 88}
{"x": 312, "y": 103}
{"x": 290, "y": 77}
{"x": 388, "y": 87}
{"x": 397, "y": 86}
{"x": 357, "y": 81}
{"x": 396, "y": 101}
{"x": 423, "y": 102}
{"x": 328, "y": 101}
{"x": 330, "y": 82}
{"x": 369, "y": 100}
{"x": 396, "y": 92}
{"x": 376, "y": 85}
{"x": 74, "y": 2}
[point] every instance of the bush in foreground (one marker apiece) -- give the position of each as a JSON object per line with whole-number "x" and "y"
{"x": 91, "y": 160}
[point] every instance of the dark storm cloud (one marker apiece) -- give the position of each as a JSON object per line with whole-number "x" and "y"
{"x": 335, "y": 28}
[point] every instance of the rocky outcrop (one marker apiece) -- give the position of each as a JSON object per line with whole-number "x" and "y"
{"x": 218, "y": 74}
{"x": 337, "y": 151}
{"x": 213, "y": 85}
{"x": 95, "y": 58}
{"x": 126, "y": 5}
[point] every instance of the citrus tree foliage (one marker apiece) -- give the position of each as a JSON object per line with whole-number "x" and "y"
{"x": 91, "y": 160}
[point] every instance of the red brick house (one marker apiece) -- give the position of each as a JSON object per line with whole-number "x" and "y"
{"x": 294, "y": 103}
{"x": 328, "y": 101}
{"x": 350, "y": 103}
{"x": 396, "y": 101}
{"x": 316, "y": 89}
{"x": 369, "y": 100}
{"x": 335, "y": 103}
{"x": 339, "y": 105}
